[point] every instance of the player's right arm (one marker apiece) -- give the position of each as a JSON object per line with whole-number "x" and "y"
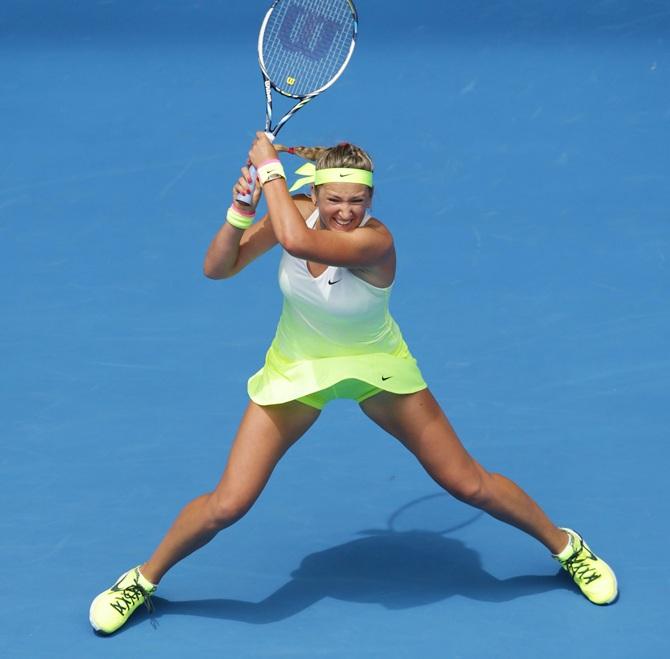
{"x": 232, "y": 249}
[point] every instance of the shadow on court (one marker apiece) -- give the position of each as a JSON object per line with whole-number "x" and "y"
{"x": 397, "y": 570}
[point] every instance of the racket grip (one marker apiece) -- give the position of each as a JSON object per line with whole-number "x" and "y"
{"x": 245, "y": 199}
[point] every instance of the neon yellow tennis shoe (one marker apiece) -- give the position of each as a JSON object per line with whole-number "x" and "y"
{"x": 111, "y": 609}
{"x": 594, "y": 577}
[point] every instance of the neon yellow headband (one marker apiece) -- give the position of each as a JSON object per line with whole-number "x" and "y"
{"x": 310, "y": 174}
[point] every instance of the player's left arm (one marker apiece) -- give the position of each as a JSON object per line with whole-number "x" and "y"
{"x": 364, "y": 247}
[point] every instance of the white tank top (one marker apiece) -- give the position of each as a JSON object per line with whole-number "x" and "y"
{"x": 334, "y": 314}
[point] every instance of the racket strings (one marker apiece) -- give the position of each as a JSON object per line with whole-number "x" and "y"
{"x": 306, "y": 43}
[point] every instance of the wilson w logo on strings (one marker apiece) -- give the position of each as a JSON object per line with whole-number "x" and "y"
{"x": 307, "y": 32}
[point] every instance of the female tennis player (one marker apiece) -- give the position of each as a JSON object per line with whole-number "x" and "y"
{"x": 335, "y": 339}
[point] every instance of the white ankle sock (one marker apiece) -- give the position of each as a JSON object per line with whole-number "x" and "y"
{"x": 144, "y": 582}
{"x": 568, "y": 550}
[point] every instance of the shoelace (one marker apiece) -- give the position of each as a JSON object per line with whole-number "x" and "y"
{"x": 579, "y": 566}
{"x": 129, "y": 595}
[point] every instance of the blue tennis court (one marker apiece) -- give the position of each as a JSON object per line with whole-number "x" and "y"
{"x": 521, "y": 153}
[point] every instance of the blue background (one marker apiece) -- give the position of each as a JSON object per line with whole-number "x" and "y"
{"x": 522, "y": 164}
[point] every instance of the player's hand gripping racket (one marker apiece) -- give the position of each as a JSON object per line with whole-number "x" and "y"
{"x": 303, "y": 48}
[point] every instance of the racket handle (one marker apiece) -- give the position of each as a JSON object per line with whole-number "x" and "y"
{"x": 245, "y": 199}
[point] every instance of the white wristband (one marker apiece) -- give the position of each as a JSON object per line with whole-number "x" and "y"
{"x": 269, "y": 171}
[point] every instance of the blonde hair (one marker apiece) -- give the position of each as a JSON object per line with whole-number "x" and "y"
{"x": 343, "y": 155}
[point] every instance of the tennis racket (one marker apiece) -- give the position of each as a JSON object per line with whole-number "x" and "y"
{"x": 303, "y": 48}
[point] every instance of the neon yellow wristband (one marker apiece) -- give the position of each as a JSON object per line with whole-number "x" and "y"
{"x": 240, "y": 219}
{"x": 270, "y": 170}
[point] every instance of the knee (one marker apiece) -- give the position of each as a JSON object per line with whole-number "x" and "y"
{"x": 471, "y": 488}
{"x": 224, "y": 509}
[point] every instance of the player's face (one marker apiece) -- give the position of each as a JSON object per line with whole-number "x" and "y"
{"x": 342, "y": 206}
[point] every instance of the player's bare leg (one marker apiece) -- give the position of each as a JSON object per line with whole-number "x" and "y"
{"x": 420, "y": 424}
{"x": 264, "y": 435}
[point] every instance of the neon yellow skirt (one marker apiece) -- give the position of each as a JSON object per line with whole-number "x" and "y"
{"x": 282, "y": 380}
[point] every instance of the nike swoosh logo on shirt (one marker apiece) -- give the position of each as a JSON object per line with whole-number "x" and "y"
{"x": 333, "y": 282}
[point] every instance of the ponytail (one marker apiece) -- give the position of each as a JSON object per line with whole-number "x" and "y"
{"x": 342, "y": 155}
{"x": 312, "y": 153}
